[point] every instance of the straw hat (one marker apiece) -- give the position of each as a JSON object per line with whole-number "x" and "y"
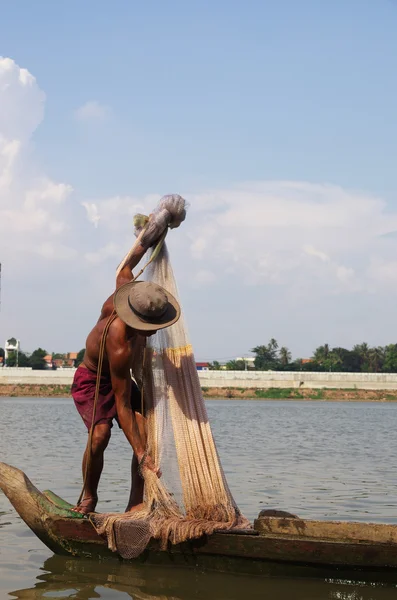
{"x": 146, "y": 306}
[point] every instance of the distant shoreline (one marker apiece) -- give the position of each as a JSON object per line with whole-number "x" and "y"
{"x": 216, "y": 393}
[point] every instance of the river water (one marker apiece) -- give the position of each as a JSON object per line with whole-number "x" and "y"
{"x": 335, "y": 460}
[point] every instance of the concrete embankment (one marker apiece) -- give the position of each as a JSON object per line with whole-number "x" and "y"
{"x": 229, "y": 384}
{"x": 230, "y": 379}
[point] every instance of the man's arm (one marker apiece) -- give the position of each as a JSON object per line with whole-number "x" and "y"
{"x": 125, "y": 274}
{"x": 132, "y": 423}
{"x": 151, "y": 236}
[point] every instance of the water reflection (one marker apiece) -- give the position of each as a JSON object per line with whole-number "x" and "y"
{"x": 83, "y": 580}
{"x": 317, "y": 460}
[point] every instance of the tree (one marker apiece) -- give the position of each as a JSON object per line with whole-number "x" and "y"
{"x": 345, "y": 360}
{"x": 390, "y": 359}
{"x": 11, "y": 359}
{"x": 321, "y": 353}
{"x": 285, "y": 356}
{"x": 12, "y": 341}
{"x": 2, "y": 353}
{"x": 266, "y": 356}
{"x": 23, "y": 359}
{"x": 58, "y": 355}
{"x": 376, "y": 359}
{"x": 235, "y": 365}
{"x": 79, "y": 358}
{"x": 37, "y": 361}
{"x": 362, "y": 350}
{"x": 214, "y": 366}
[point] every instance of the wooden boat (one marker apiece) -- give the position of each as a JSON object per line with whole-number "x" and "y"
{"x": 278, "y": 544}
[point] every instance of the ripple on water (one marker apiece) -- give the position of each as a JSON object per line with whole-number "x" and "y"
{"x": 318, "y": 460}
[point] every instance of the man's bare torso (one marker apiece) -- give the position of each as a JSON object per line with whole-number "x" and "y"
{"x": 125, "y": 341}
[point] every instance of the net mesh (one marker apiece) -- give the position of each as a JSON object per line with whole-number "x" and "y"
{"x": 192, "y": 497}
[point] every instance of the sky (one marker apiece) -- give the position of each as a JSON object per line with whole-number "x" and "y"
{"x": 276, "y": 121}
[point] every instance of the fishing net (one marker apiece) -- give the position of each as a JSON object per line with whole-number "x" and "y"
{"x": 192, "y": 497}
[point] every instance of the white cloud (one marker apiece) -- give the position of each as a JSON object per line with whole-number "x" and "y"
{"x": 313, "y": 252}
{"x": 276, "y": 248}
{"x": 294, "y": 233}
{"x": 30, "y": 202}
{"x": 92, "y": 212}
{"x": 204, "y": 277}
{"x": 279, "y": 233}
{"x": 92, "y": 111}
{"x": 111, "y": 250}
{"x": 21, "y": 102}
{"x": 54, "y": 251}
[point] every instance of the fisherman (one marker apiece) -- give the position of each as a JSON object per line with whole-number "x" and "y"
{"x": 141, "y": 308}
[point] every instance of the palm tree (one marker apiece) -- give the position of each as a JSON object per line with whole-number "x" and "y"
{"x": 362, "y": 350}
{"x": 285, "y": 356}
{"x": 235, "y": 365}
{"x": 321, "y": 353}
{"x": 266, "y": 356}
{"x": 262, "y": 357}
{"x": 376, "y": 358}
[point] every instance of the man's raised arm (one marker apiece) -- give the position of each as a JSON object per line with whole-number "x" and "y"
{"x": 125, "y": 275}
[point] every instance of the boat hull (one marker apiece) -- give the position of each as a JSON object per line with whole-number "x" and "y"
{"x": 278, "y": 545}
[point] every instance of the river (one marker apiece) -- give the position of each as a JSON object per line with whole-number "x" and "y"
{"x": 315, "y": 459}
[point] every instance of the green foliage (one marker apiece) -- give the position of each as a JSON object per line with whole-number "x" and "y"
{"x": 278, "y": 393}
{"x": 205, "y": 389}
{"x": 2, "y": 353}
{"x": 23, "y": 359}
{"x": 57, "y": 355}
{"x": 271, "y": 358}
{"x": 37, "y": 361}
{"x": 215, "y": 366}
{"x": 12, "y": 341}
{"x": 11, "y": 359}
{"x": 390, "y": 359}
{"x": 235, "y": 365}
{"x": 79, "y": 358}
{"x": 285, "y": 356}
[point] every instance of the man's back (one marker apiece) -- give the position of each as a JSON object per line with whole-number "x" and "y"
{"x": 91, "y": 356}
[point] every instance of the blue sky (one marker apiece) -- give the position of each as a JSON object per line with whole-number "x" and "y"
{"x": 292, "y": 103}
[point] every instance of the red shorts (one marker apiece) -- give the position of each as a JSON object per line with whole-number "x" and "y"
{"x": 83, "y": 392}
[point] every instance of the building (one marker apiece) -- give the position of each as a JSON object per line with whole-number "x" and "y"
{"x": 202, "y": 366}
{"x": 249, "y": 361}
{"x": 11, "y": 345}
{"x": 48, "y": 360}
{"x": 64, "y": 361}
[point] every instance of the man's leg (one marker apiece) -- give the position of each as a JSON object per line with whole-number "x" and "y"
{"x": 137, "y": 482}
{"x": 100, "y": 440}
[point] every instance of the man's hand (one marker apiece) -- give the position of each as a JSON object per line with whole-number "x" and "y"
{"x": 146, "y": 462}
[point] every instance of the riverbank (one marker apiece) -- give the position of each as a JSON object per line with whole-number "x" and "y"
{"x": 351, "y": 395}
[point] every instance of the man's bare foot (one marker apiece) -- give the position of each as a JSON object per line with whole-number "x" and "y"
{"x": 135, "y": 507}
{"x": 87, "y": 505}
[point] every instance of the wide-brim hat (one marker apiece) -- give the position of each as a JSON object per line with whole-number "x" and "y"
{"x": 146, "y": 306}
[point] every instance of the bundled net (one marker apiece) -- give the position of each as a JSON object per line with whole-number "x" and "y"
{"x": 192, "y": 497}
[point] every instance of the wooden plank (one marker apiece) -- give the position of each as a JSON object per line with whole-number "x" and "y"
{"x": 279, "y": 539}
{"x": 301, "y": 550}
{"x": 342, "y": 531}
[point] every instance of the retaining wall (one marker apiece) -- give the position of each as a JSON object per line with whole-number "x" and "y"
{"x": 298, "y": 379}
{"x": 228, "y": 379}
